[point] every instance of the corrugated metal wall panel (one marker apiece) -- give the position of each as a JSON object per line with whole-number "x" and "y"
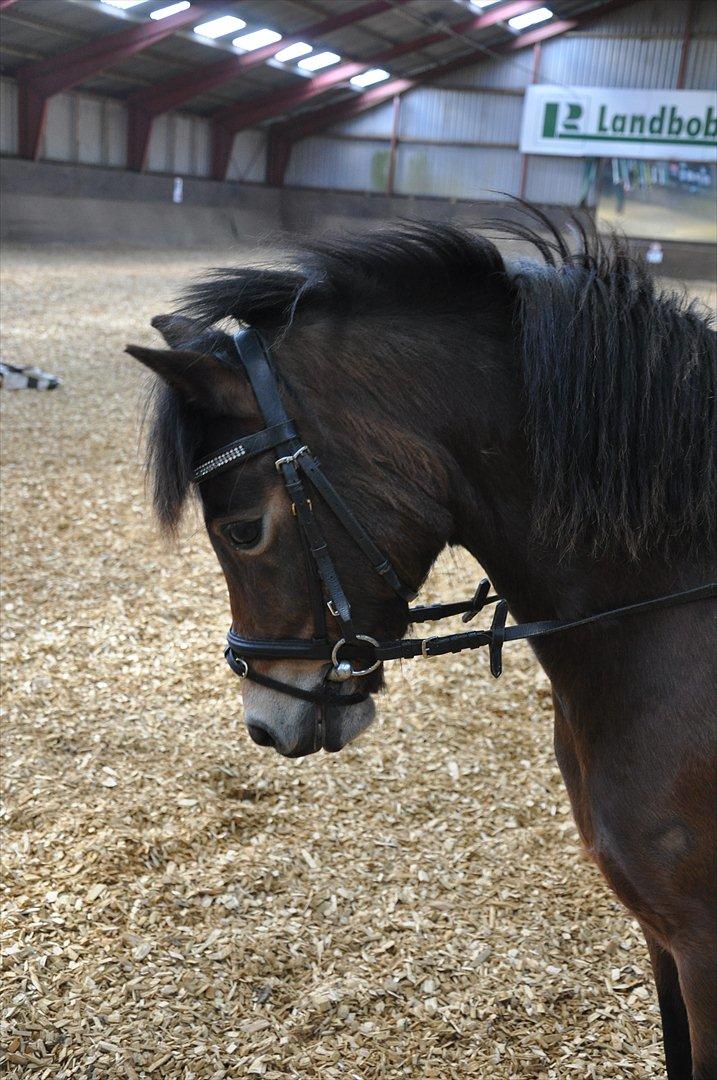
{"x": 248, "y": 160}
{"x": 701, "y": 64}
{"x": 115, "y": 133}
{"x": 59, "y": 140}
{"x": 179, "y": 145}
{"x": 377, "y": 123}
{"x": 457, "y": 172}
{"x": 458, "y": 114}
{"x": 157, "y": 158}
{"x": 508, "y": 73}
{"x": 340, "y": 164}
{"x": 92, "y": 130}
{"x": 90, "y": 126}
{"x": 183, "y": 158}
{"x": 85, "y": 128}
{"x": 202, "y": 149}
{"x": 8, "y": 116}
{"x": 585, "y": 61}
{"x": 556, "y": 181}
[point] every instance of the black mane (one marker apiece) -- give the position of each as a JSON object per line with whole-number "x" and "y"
{"x": 620, "y": 377}
{"x": 620, "y": 382}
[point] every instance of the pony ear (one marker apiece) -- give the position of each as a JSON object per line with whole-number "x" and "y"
{"x": 198, "y": 377}
{"x": 191, "y": 365}
{"x": 176, "y": 330}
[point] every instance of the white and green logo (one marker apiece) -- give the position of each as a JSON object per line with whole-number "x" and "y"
{"x": 563, "y": 120}
{"x": 620, "y": 123}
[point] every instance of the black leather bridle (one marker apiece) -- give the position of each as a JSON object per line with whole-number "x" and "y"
{"x": 355, "y": 654}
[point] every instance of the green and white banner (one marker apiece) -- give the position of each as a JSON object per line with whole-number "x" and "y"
{"x": 588, "y": 121}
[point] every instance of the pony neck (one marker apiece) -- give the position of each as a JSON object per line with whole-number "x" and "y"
{"x": 494, "y": 523}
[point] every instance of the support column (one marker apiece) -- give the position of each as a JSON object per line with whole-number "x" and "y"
{"x": 686, "y": 42}
{"x": 139, "y": 132}
{"x": 31, "y": 115}
{"x": 222, "y": 145}
{"x": 278, "y": 154}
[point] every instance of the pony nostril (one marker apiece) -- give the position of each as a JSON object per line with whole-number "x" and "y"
{"x": 260, "y": 735}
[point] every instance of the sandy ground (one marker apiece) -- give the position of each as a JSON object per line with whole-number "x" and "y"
{"x": 180, "y": 902}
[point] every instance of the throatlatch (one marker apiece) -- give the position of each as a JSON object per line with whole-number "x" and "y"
{"x": 355, "y": 654}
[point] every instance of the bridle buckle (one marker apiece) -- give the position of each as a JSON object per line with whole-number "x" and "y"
{"x": 290, "y": 459}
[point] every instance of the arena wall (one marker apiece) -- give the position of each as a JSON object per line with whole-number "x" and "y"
{"x": 457, "y": 139}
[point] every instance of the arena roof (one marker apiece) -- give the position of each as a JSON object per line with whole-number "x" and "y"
{"x": 394, "y": 36}
{"x": 237, "y": 61}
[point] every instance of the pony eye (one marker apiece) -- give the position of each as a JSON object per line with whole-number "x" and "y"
{"x": 243, "y": 534}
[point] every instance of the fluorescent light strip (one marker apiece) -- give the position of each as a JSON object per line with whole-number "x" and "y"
{"x": 368, "y": 78}
{"x": 319, "y": 60}
{"x": 293, "y": 52}
{"x": 216, "y": 28}
{"x": 256, "y": 39}
{"x": 530, "y": 18}
{"x": 173, "y": 9}
{"x": 480, "y": 5}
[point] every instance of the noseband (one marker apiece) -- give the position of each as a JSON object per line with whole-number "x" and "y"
{"x": 356, "y": 654}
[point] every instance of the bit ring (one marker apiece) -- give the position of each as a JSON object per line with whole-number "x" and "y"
{"x": 359, "y": 637}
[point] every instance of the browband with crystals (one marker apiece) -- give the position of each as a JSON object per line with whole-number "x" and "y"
{"x": 244, "y": 448}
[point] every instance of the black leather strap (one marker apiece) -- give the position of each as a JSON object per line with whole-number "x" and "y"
{"x": 497, "y": 637}
{"x": 467, "y": 608}
{"x": 381, "y": 564}
{"x": 318, "y": 548}
{"x": 499, "y": 633}
{"x": 242, "y": 449}
{"x": 324, "y": 696}
{"x": 555, "y": 626}
{"x": 256, "y": 361}
{"x": 527, "y": 631}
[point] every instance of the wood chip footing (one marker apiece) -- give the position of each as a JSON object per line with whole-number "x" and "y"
{"x": 181, "y": 903}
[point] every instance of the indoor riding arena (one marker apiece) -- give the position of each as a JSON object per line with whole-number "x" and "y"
{"x": 179, "y": 901}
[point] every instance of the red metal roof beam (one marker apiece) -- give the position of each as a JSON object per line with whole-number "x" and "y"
{"x": 40, "y": 80}
{"x": 234, "y": 118}
{"x": 299, "y": 128}
{"x": 145, "y": 104}
{"x": 238, "y": 117}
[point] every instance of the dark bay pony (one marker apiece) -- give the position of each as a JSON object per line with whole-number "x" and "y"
{"x": 558, "y": 421}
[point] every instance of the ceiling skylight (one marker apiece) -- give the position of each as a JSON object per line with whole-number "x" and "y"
{"x": 123, "y": 5}
{"x": 530, "y": 18}
{"x": 368, "y": 78}
{"x": 173, "y": 9}
{"x": 256, "y": 39}
{"x": 217, "y": 28}
{"x": 319, "y": 60}
{"x": 293, "y": 52}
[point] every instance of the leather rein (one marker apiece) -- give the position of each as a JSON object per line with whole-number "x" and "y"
{"x": 355, "y": 654}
